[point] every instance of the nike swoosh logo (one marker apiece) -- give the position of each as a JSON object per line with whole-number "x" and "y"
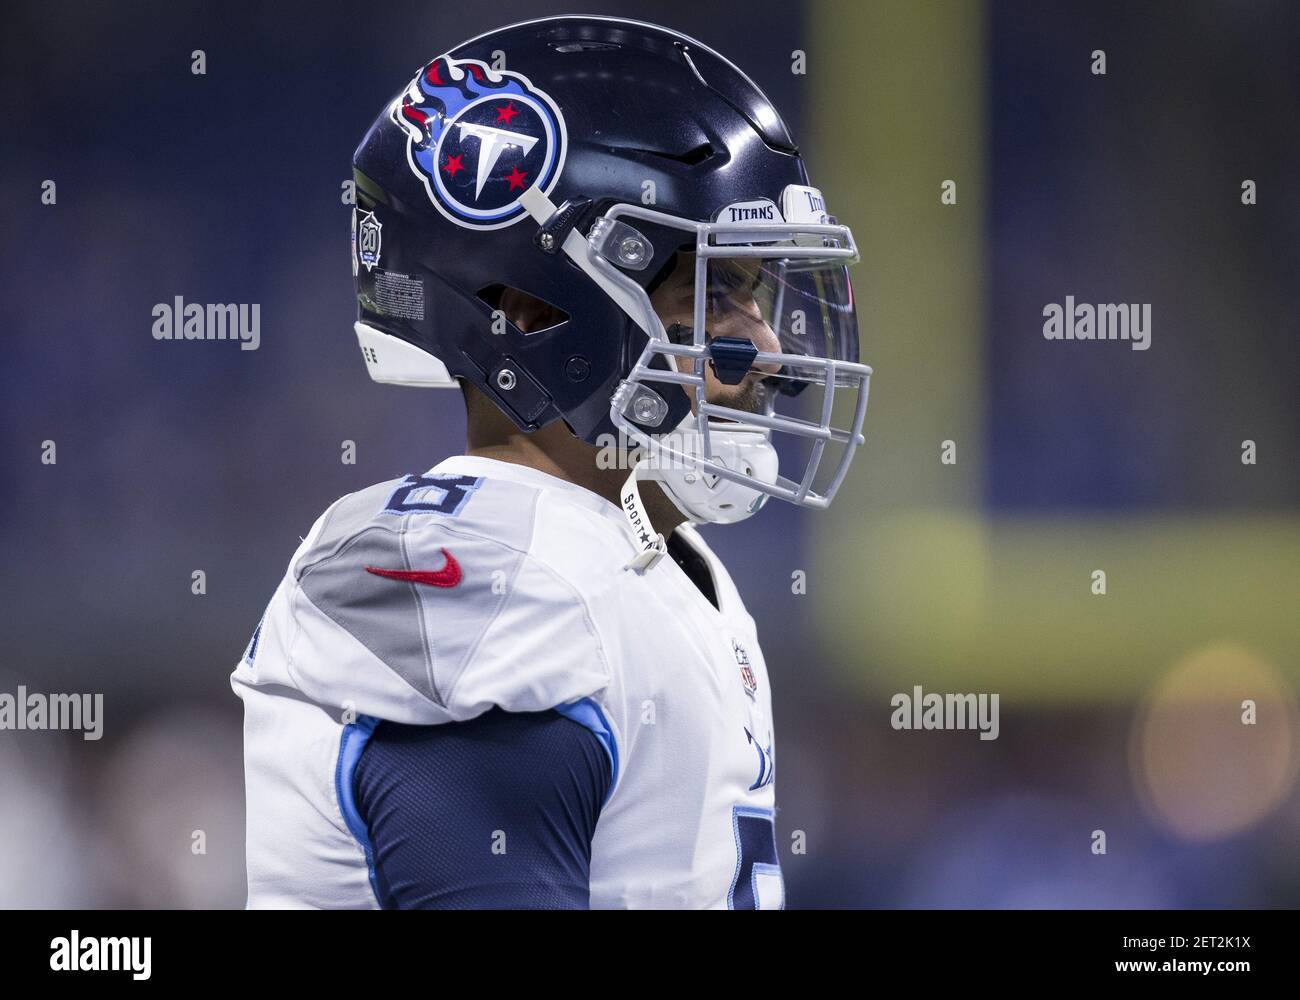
{"x": 448, "y": 576}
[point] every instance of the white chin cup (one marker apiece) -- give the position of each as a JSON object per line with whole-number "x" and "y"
{"x": 705, "y": 497}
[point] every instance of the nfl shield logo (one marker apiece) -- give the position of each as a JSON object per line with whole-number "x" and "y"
{"x": 368, "y": 237}
{"x": 747, "y": 676}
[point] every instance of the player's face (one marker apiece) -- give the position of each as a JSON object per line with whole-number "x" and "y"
{"x": 731, "y": 310}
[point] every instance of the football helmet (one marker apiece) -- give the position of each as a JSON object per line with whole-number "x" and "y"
{"x": 590, "y": 164}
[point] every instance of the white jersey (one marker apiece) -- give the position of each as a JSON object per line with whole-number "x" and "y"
{"x": 433, "y": 598}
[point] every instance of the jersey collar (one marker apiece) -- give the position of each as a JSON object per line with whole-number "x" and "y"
{"x": 477, "y": 465}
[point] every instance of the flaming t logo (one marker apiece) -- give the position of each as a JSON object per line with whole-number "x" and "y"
{"x": 478, "y": 138}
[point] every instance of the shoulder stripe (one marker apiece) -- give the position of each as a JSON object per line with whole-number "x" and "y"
{"x": 351, "y": 744}
{"x": 587, "y": 713}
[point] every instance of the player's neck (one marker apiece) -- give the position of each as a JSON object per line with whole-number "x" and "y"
{"x": 555, "y": 451}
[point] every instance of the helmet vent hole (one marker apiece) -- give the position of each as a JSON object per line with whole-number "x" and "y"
{"x": 691, "y": 157}
{"x": 699, "y": 154}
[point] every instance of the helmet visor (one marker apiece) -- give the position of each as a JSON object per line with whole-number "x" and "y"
{"x": 786, "y": 306}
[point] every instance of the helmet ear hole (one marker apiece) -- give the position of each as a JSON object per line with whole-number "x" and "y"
{"x": 524, "y": 311}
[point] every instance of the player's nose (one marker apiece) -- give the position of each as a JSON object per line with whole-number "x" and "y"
{"x": 756, "y": 330}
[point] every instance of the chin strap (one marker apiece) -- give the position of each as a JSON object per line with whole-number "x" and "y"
{"x": 651, "y": 544}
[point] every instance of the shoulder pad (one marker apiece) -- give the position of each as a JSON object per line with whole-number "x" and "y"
{"x": 433, "y": 576}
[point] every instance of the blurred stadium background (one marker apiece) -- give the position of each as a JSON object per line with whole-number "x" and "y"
{"x": 1118, "y": 713}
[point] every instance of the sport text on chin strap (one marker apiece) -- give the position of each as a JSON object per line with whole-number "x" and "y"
{"x": 652, "y": 544}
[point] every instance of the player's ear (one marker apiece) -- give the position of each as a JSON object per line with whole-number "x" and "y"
{"x": 526, "y": 312}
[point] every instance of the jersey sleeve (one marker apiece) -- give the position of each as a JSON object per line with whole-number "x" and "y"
{"x": 496, "y": 812}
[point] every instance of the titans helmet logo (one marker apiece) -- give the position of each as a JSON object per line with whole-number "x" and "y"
{"x": 479, "y": 138}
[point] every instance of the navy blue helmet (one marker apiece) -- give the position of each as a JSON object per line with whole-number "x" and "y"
{"x": 576, "y": 161}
